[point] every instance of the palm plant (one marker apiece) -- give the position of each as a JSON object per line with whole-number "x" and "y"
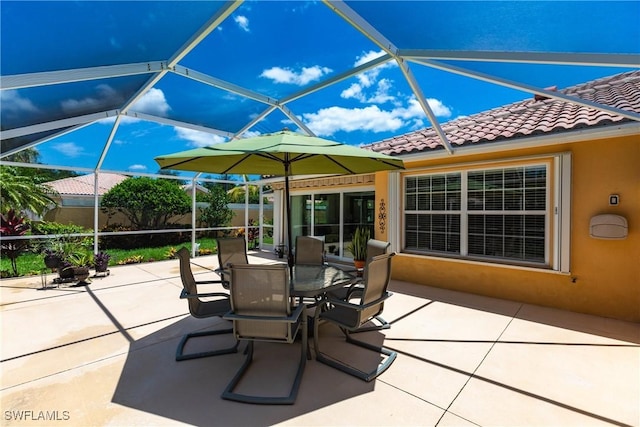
{"x": 22, "y": 193}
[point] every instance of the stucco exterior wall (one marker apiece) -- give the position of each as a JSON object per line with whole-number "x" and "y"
{"x": 604, "y": 275}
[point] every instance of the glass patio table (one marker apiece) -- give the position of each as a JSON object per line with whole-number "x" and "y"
{"x": 311, "y": 281}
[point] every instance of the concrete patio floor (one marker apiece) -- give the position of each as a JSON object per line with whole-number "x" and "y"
{"x": 104, "y": 354}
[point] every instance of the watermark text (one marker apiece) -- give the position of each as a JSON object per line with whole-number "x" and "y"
{"x": 29, "y": 415}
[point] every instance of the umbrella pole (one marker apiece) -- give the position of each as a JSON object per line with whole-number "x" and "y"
{"x": 288, "y": 214}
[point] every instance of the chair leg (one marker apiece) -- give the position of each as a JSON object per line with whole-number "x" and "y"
{"x": 228, "y": 393}
{"x": 365, "y": 376}
{"x": 180, "y": 356}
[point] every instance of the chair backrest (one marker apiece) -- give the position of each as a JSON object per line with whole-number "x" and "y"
{"x": 261, "y": 290}
{"x": 377, "y": 247}
{"x": 309, "y": 250}
{"x": 188, "y": 281}
{"x": 377, "y": 276}
{"x": 231, "y": 250}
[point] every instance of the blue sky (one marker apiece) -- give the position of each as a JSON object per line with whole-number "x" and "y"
{"x": 277, "y": 48}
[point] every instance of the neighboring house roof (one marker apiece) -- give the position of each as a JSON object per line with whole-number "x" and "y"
{"x": 530, "y": 117}
{"x": 83, "y": 185}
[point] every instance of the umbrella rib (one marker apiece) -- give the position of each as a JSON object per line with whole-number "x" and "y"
{"x": 339, "y": 164}
{"x": 230, "y": 168}
{"x": 305, "y": 156}
{"x": 172, "y": 165}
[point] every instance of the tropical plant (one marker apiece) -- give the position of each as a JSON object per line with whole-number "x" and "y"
{"x": 22, "y": 193}
{"x": 217, "y": 213}
{"x": 13, "y": 225}
{"x": 237, "y": 194}
{"x": 64, "y": 244}
{"x": 148, "y": 203}
{"x": 80, "y": 258}
{"x": 358, "y": 245}
{"x": 79, "y": 263}
{"x": 101, "y": 261}
{"x": 133, "y": 259}
{"x": 253, "y": 234}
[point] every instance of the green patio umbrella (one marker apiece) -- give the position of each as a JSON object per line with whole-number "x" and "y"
{"x": 282, "y": 153}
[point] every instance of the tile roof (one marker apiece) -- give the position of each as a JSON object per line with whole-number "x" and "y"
{"x": 83, "y": 185}
{"x": 530, "y": 117}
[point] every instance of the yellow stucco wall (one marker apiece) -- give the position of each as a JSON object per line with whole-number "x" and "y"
{"x": 605, "y": 274}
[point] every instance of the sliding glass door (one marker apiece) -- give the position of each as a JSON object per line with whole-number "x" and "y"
{"x": 333, "y": 216}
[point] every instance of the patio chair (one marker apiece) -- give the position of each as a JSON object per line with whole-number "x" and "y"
{"x": 350, "y": 316}
{"x": 261, "y": 310}
{"x": 231, "y": 250}
{"x": 198, "y": 308}
{"x": 354, "y": 290}
{"x": 309, "y": 250}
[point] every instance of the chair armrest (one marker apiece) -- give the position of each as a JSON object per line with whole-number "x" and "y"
{"x": 224, "y": 283}
{"x": 347, "y": 304}
{"x": 292, "y": 318}
{"x": 353, "y": 288}
{"x": 209, "y": 282}
{"x": 184, "y": 294}
{"x": 221, "y": 271}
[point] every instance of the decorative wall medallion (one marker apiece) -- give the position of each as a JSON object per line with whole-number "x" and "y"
{"x": 382, "y": 216}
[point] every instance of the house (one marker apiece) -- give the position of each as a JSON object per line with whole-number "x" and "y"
{"x": 76, "y": 198}
{"x": 539, "y": 202}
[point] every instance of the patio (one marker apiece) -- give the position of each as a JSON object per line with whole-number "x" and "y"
{"x": 104, "y": 355}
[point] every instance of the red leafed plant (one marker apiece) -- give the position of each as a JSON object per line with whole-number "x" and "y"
{"x": 13, "y": 225}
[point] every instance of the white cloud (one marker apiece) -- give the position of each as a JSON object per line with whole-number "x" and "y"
{"x": 70, "y": 149}
{"x": 368, "y": 56}
{"x": 414, "y": 109}
{"x": 137, "y": 168}
{"x": 380, "y": 96}
{"x": 243, "y": 22}
{"x": 106, "y": 96}
{"x": 250, "y": 134}
{"x": 197, "y": 138}
{"x": 368, "y": 79}
{"x": 330, "y": 120}
{"x": 152, "y": 102}
{"x": 12, "y": 101}
{"x": 438, "y": 108}
{"x": 290, "y": 76}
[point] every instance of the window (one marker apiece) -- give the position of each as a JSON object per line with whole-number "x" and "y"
{"x": 500, "y": 214}
{"x": 432, "y": 219}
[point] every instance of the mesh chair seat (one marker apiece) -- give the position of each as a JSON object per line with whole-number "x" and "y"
{"x": 211, "y": 308}
{"x": 342, "y": 316}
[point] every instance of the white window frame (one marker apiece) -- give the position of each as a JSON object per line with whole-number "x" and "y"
{"x": 557, "y": 216}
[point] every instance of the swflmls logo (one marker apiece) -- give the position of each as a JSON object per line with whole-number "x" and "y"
{"x": 37, "y": 415}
